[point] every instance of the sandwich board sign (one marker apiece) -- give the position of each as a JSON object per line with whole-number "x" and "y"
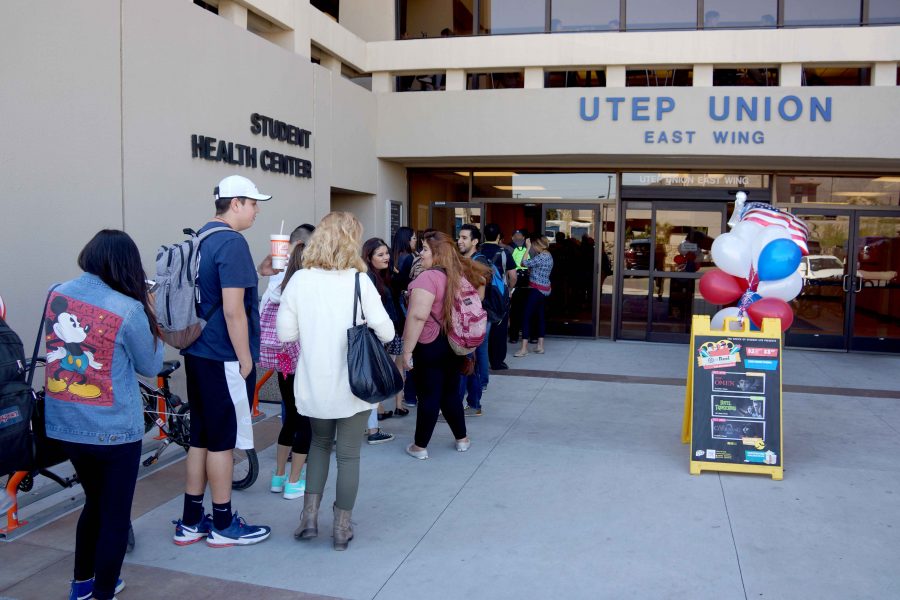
{"x": 732, "y": 406}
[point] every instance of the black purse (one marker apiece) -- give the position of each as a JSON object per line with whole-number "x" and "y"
{"x": 373, "y": 375}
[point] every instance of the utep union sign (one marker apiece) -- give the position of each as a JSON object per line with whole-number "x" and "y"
{"x": 210, "y": 148}
{"x": 721, "y": 109}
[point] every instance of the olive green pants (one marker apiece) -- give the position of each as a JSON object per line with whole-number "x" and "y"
{"x": 349, "y": 432}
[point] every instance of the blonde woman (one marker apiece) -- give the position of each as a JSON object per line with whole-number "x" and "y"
{"x": 317, "y": 309}
{"x": 539, "y": 263}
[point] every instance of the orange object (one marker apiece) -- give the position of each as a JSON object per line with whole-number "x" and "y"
{"x": 160, "y": 409}
{"x": 12, "y": 515}
{"x": 262, "y": 381}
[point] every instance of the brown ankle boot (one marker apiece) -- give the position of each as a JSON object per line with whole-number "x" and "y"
{"x": 343, "y": 530}
{"x": 309, "y": 519}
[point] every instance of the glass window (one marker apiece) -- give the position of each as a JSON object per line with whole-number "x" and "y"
{"x": 659, "y": 77}
{"x": 746, "y": 76}
{"x": 661, "y": 14}
{"x": 566, "y": 79}
{"x": 512, "y": 16}
{"x": 836, "y": 76}
{"x": 434, "y": 18}
{"x": 858, "y": 191}
{"x": 883, "y": 12}
{"x": 329, "y": 7}
{"x": 543, "y": 186}
{"x": 635, "y": 300}
{"x": 424, "y": 82}
{"x": 684, "y": 239}
{"x": 495, "y": 81}
{"x": 584, "y": 15}
{"x": 206, "y": 5}
{"x": 822, "y": 12}
{"x": 739, "y": 13}
{"x": 426, "y": 187}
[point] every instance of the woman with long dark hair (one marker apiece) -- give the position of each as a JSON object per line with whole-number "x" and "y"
{"x": 437, "y": 367}
{"x": 296, "y": 435}
{"x": 101, "y": 333}
{"x": 376, "y": 255}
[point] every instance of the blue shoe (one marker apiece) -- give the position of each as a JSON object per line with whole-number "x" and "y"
{"x": 237, "y": 534}
{"x": 84, "y": 590}
{"x": 185, "y": 535}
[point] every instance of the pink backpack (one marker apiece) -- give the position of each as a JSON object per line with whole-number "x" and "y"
{"x": 468, "y": 325}
{"x": 273, "y": 353}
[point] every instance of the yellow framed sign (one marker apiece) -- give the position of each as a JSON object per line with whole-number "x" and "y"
{"x": 732, "y": 406}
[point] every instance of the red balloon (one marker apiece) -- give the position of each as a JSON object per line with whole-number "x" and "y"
{"x": 718, "y": 287}
{"x": 771, "y": 308}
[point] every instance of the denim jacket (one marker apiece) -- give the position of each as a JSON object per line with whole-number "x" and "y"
{"x": 97, "y": 339}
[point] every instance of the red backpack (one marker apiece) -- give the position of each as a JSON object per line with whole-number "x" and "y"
{"x": 468, "y": 320}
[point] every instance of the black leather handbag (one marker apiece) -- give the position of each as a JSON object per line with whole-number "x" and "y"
{"x": 373, "y": 375}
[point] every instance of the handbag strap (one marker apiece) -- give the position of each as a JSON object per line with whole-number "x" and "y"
{"x": 40, "y": 335}
{"x": 357, "y": 299}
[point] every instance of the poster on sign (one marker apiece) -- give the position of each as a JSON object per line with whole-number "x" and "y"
{"x": 732, "y": 416}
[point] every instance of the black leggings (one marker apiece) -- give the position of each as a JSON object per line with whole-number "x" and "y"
{"x": 296, "y": 431}
{"x": 533, "y": 325}
{"x": 437, "y": 386}
{"x": 108, "y": 475}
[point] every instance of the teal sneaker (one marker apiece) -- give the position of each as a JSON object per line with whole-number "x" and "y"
{"x": 277, "y": 485}
{"x": 295, "y": 490}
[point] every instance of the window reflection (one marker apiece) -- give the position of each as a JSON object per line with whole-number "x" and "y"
{"x": 661, "y": 14}
{"x": 836, "y": 76}
{"x": 584, "y": 15}
{"x": 684, "y": 240}
{"x": 858, "y": 191}
{"x": 739, "y": 13}
{"x": 567, "y": 79}
{"x": 746, "y": 76}
{"x": 512, "y": 16}
{"x": 426, "y": 187}
{"x": 659, "y": 77}
{"x": 821, "y": 12}
{"x": 434, "y": 18}
{"x": 495, "y": 81}
{"x": 882, "y": 12}
{"x": 635, "y": 301}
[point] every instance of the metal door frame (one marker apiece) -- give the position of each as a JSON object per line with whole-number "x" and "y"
{"x": 652, "y": 273}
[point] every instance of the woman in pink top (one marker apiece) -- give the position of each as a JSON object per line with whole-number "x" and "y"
{"x": 425, "y": 343}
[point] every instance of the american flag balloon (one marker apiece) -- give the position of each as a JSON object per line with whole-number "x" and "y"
{"x": 768, "y": 216}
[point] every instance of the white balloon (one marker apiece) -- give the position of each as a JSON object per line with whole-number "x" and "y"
{"x": 747, "y": 230}
{"x": 787, "y": 289}
{"x": 732, "y": 254}
{"x": 767, "y": 235}
{"x": 718, "y": 320}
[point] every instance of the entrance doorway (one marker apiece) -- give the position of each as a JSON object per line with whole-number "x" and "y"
{"x": 666, "y": 248}
{"x": 449, "y": 217}
{"x": 851, "y": 292}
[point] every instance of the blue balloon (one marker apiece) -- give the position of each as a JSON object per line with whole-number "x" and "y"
{"x": 778, "y": 259}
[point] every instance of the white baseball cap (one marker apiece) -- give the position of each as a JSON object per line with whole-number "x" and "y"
{"x": 235, "y": 186}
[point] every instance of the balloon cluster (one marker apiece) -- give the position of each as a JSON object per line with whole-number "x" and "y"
{"x": 758, "y": 263}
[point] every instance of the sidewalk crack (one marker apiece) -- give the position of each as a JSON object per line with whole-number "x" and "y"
{"x": 737, "y": 555}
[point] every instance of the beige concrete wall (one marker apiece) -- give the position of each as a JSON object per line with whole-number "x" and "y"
{"x": 60, "y": 156}
{"x": 372, "y": 20}
{"x": 167, "y": 99}
{"x": 361, "y": 205}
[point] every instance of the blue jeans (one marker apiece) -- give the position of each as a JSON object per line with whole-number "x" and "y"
{"x": 474, "y": 384}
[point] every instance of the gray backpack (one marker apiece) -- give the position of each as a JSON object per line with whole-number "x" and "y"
{"x": 178, "y": 293}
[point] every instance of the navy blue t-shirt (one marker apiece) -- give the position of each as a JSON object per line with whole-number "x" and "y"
{"x": 225, "y": 262}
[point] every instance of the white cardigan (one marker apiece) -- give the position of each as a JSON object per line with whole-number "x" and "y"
{"x": 317, "y": 308}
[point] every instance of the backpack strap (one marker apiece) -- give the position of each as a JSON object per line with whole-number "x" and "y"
{"x": 200, "y": 237}
{"x": 37, "y": 342}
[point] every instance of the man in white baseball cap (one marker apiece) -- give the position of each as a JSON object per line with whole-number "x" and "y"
{"x": 220, "y": 370}
{"x": 235, "y": 186}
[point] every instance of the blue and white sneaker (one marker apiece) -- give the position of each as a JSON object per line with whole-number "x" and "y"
{"x": 84, "y": 590}
{"x": 185, "y": 535}
{"x": 237, "y": 534}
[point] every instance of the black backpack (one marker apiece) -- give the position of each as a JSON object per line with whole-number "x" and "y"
{"x": 17, "y": 402}
{"x": 496, "y": 292}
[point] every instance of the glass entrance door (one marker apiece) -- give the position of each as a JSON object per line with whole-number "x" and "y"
{"x": 572, "y": 231}
{"x": 666, "y": 248}
{"x": 875, "y": 305}
{"x": 851, "y": 292}
{"x": 450, "y": 216}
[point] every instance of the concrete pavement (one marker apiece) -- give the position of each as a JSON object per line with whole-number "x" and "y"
{"x": 576, "y": 486}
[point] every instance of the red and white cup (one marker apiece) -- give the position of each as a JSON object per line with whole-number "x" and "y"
{"x": 280, "y": 244}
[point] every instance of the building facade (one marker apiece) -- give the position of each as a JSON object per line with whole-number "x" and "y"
{"x": 621, "y": 128}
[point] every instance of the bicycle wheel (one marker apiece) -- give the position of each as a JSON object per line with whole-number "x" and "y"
{"x": 180, "y": 424}
{"x": 246, "y": 469}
